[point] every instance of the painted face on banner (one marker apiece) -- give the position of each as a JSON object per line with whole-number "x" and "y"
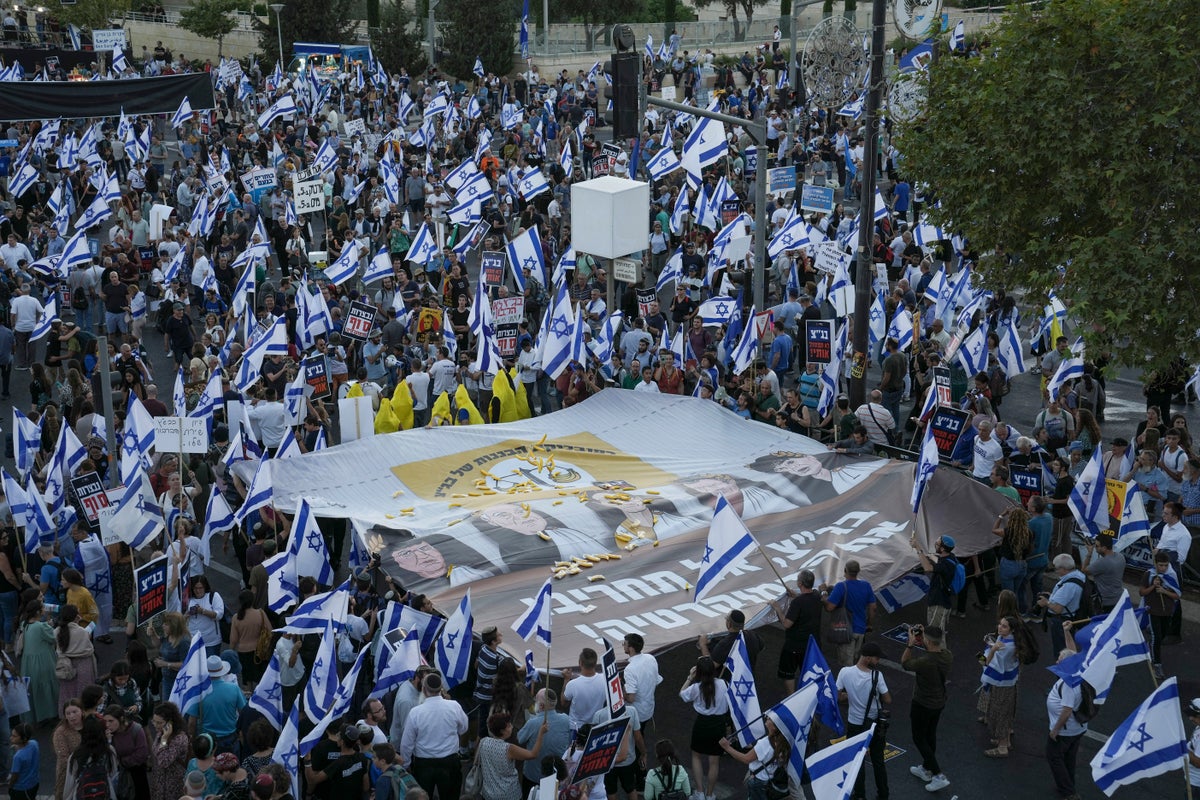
{"x": 421, "y": 558}
{"x": 513, "y": 517}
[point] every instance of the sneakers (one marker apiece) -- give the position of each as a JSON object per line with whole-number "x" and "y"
{"x": 921, "y": 773}
{"x": 939, "y": 782}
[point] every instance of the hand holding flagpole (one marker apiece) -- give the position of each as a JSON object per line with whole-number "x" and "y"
{"x": 729, "y": 540}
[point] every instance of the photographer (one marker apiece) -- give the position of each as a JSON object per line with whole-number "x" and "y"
{"x": 866, "y": 691}
{"x": 929, "y": 698}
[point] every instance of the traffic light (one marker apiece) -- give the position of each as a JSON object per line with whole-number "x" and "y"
{"x": 623, "y": 92}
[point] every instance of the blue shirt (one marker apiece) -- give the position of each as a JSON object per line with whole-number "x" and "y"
{"x": 1040, "y": 526}
{"x": 781, "y": 353}
{"x": 857, "y": 596}
{"x": 25, "y": 766}
{"x": 1067, "y": 594}
{"x": 220, "y": 709}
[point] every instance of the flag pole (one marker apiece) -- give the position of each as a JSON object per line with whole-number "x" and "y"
{"x": 770, "y": 562}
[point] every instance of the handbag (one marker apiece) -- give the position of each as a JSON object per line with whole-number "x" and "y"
{"x": 262, "y": 650}
{"x": 840, "y": 628}
{"x": 64, "y": 668}
{"x": 779, "y": 788}
{"x": 15, "y": 693}
{"x": 472, "y": 784}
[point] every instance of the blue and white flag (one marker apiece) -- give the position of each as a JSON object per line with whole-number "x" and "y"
{"x": 877, "y": 322}
{"x": 663, "y": 163}
{"x": 973, "y": 355}
{"x": 532, "y": 183}
{"x": 746, "y": 352}
{"x": 718, "y": 310}
{"x": 1151, "y": 741}
{"x": 285, "y": 106}
{"x": 45, "y": 320}
{"x": 478, "y": 70}
{"x": 926, "y": 235}
{"x": 926, "y": 465}
{"x": 258, "y": 495}
{"x": 427, "y": 626}
{"x": 525, "y": 251}
{"x": 454, "y": 645}
{"x": 321, "y": 610}
{"x": 76, "y": 252}
{"x": 958, "y": 37}
{"x": 397, "y": 664}
{"x": 841, "y": 292}
{"x": 1069, "y": 369}
{"x": 680, "y": 212}
{"x": 729, "y": 542}
{"x": 1088, "y": 500}
{"x": 531, "y": 671}
{"x": 743, "y": 696}
{"x": 424, "y": 246}
{"x": 1116, "y": 640}
{"x": 273, "y": 342}
{"x": 815, "y": 671}
{"x": 287, "y": 752}
{"x": 1135, "y": 523}
{"x": 192, "y": 683}
{"x": 27, "y": 440}
{"x": 182, "y": 114}
{"x": 322, "y": 684}
{"x": 901, "y": 327}
{"x": 326, "y": 158}
{"x": 704, "y": 146}
{"x": 342, "y": 701}
{"x": 138, "y": 518}
{"x": 267, "y": 698}
{"x": 536, "y": 619}
{"x": 23, "y": 180}
{"x": 1010, "y": 354}
{"x": 834, "y": 770}
{"x": 793, "y": 716}
{"x": 138, "y": 438}
{"x": 345, "y": 266}
{"x": 557, "y": 334}
{"x": 794, "y": 234}
{"x": 566, "y": 160}
{"x": 218, "y": 517}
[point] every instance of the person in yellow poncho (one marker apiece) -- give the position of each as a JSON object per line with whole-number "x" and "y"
{"x": 463, "y": 400}
{"x": 441, "y": 413}
{"x": 522, "y": 397}
{"x": 386, "y": 420}
{"x": 503, "y": 407}
{"x": 402, "y": 405}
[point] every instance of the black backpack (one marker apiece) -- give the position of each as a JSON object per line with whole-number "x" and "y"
{"x": 1089, "y": 599}
{"x": 1028, "y": 651}
{"x": 92, "y": 782}
{"x": 1087, "y": 702}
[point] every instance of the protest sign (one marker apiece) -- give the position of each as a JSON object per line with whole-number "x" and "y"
{"x": 600, "y": 750}
{"x": 644, "y": 298}
{"x": 180, "y": 435}
{"x": 1027, "y": 482}
{"x": 818, "y": 340}
{"x": 491, "y": 267}
{"x": 316, "y": 376}
{"x": 151, "y": 583}
{"x": 948, "y": 426}
{"x": 507, "y": 313}
{"x": 309, "y": 196}
{"x": 91, "y": 496}
{"x": 359, "y": 321}
{"x": 941, "y": 380}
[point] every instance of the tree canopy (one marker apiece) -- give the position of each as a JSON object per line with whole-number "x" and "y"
{"x": 93, "y": 14}
{"x": 1072, "y": 142}
{"x": 210, "y": 19}
{"x": 397, "y": 43}
{"x": 328, "y": 21}
{"x": 471, "y": 28}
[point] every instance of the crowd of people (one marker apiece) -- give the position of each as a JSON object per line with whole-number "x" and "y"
{"x": 211, "y": 278}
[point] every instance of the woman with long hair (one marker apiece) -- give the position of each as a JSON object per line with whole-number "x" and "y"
{"x": 93, "y": 757}
{"x": 767, "y": 754}
{"x": 74, "y": 644}
{"x": 247, "y": 625}
{"x": 64, "y": 740}
{"x": 998, "y": 700}
{"x": 79, "y": 596}
{"x": 508, "y": 692}
{"x": 37, "y": 662}
{"x": 132, "y": 746}
{"x": 169, "y": 752}
{"x": 1016, "y": 541}
{"x": 1087, "y": 431}
{"x": 10, "y": 584}
{"x": 669, "y": 775}
{"x": 707, "y": 694}
{"x": 172, "y": 649}
{"x": 204, "y": 611}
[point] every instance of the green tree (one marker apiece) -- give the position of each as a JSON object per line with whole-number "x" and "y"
{"x": 92, "y": 14}
{"x": 732, "y": 8}
{"x": 210, "y": 19}
{"x": 328, "y": 21}
{"x": 598, "y": 18}
{"x": 1072, "y": 143}
{"x": 487, "y": 30}
{"x": 397, "y": 42}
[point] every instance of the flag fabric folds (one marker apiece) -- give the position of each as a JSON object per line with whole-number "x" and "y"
{"x": 729, "y": 541}
{"x": 1151, "y": 741}
{"x": 834, "y": 770}
{"x": 454, "y": 645}
{"x": 192, "y": 683}
{"x": 536, "y": 620}
{"x": 743, "y": 695}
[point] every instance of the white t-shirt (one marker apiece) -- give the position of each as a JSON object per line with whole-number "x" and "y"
{"x": 641, "y": 679}
{"x": 25, "y": 310}
{"x": 693, "y": 695}
{"x": 419, "y": 382}
{"x": 587, "y": 695}
{"x": 856, "y": 683}
{"x": 986, "y": 455}
{"x": 1176, "y": 538}
{"x": 1194, "y": 747}
{"x": 1059, "y": 697}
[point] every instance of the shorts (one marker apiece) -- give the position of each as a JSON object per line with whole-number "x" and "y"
{"x": 789, "y": 663}
{"x": 625, "y": 777}
{"x": 707, "y": 731}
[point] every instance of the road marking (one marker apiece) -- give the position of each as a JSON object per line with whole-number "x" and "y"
{"x": 228, "y": 572}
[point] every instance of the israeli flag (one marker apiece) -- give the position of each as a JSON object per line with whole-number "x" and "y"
{"x": 680, "y": 212}
{"x": 424, "y": 246}
{"x": 973, "y": 355}
{"x": 27, "y": 440}
{"x": 267, "y": 698}
{"x": 1069, "y": 369}
{"x": 747, "y": 349}
{"x": 743, "y": 696}
{"x": 926, "y": 235}
{"x": 834, "y": 770}
{"x": 1135, "y": 523}
{"x": 705, "y": 145}
{"x": 794, "y": 235}
{"x": 345, "y": 266}
{"x": 729, "y": 541}
{"x": 342, "y": 700}
{"x": 958, "y": 38}
{"x": 25, "y": 178}
{"x": 816, "y": 671}
{"x": 1151, "y": 741}
{"x": 396, "y": 664}
{"x": 258, "y": 495}
{"x": 1010, "y": 354}
{"x": 532, "y": 183}
{"x": 566, "y": 160}
{"x": 427, "y": 626}
{"x": 793, "y": 717}
{"x": 18, "y": 505}
{"x": 1088, "y": 500}
{"x": 454, "y": 645}
{"x": 526, "y": 251}
{"x": 478, "y": 70}
{"x": 927, "y": 464}
{"x": 192, "y": 683}
{"x": 182, "y": 114}
{"x": 285, "y": 106}
{"x": 320, "y": 611}
{"x": 901, "y": 328}
{"x": 287, "y": 752}
{"x": 717, "y": 310}
{"x": 138, "y": 438}
{"x": 322, "y": 685}
{"x": 511, "y": 116}
{"x": 536, "y": 619}
{"x": 218, "y": 516}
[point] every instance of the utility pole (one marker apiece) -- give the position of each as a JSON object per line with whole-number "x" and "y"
{"x": 110, "y": 419}
{"x": 794, "y": 71}
{"x": 866, "y": 212}
{"x": 432, "y": 34}
{"x": 758, "y": 132}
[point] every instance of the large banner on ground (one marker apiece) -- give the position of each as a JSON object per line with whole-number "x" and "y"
{"x": 614, "y": 497}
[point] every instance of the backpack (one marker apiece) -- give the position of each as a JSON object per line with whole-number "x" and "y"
{"x": 92, "y": 782}
{"x": 1028, "y": 651}
{"x": 1089, "y": 599}
{"x": 1087, "y": 702}
{"x": 401, "y": 781}
{"x": 672, "y": 793}
{"x": 960, "y": 576}
{"x": 997, "y": 382}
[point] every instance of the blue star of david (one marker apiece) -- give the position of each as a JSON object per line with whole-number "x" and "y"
{"x": 928, "y": 470}
{"x": 182, "y": 681}
{"x": 291, "y": 758}
{"x": 876, "y": 314}
{"x": 530, "y": 262}
{"x": 708, "y": 551}
{"x": 130, "y": 441}
{"x": 559, "y": 326}
{"x": 470, "y": 189}
{"x": 845, "y": 777}
{"x": 451, "y": 640}
{"x": 785, "y": 238}
{"x": 318, "y": 664}
{"x": 1116, "y": 650}
{"x": 101, "y": 584}
{"x": 1085, "y": 487}
{"x": 723, "y": 309}
{"x": 1127, "y": 513}
{"x": 275, "y": 693}
{"x": 53, "y": 489}
{"x": 1140, "y": 744}
{"x": 314, "y": 540}
{"x": 976, "y": 348}
{"x": 743, "y": 689}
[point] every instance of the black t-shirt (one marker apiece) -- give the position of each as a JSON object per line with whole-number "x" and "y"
{"x": 344, "y": 777}
{"x": 1061, "y": 492}
{"x": 116, "y": 297}
{"x": 324, "y": 754}
{"x": 941, "y": 580}
{"x": 805, "y": 613}
{"x": 720, "y": 651}
{"x": 179, "y": 331}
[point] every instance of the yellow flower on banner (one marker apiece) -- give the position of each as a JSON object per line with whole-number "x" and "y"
{"x": 503, "y": 392}
{"x": 523, "y": 410}
{"x": 402, "y": 406}
{"x": 385, "y": 419}
{"x": 463, "y": 400}
{"x": 440, "y": 414}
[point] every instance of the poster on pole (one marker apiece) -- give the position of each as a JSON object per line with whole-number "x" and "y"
{"x": 948, "y": 426}
{"x": 816, "y": 198}
{"x": 316, "y": 376}
{"x": 828, "y": 257}
{"x": 151, "y": 582}
{"x": 600, "y": 750}
{"x": 359, "y": 321}
{"x": 507, "y": 313}
{"x": 1027, "y": 482}
{"x": 309, "y": 196}
{"x": 491, "y": 267}
{"x": 180, "y": 435}
{"x": 91, "y": 496}
{"x": 781, "y": 180}
{"x": 644, "y": 298}
{"x": 818, "y": 341}
{"x": 941, "y": 380}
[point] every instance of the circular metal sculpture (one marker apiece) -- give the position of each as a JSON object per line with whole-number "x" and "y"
{"x": 835, "y": 63}
{"x": 915, "y": 18}
{"x": 907, "y": 96}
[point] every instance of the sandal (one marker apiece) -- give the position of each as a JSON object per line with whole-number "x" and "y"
{"x": 996, "y": 752}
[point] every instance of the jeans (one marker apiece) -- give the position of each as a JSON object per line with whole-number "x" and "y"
{"x": 1012, "y": 577}
{"x": 924, "y": 735}
{"x": 83, "y": 317}
{"x": 8, "y": 615}
{"x": 1058, "y": 641}
{"x": 1159, "y": 628}
{"x": 891, "y": 401}
{"x": 1060, "y": 755}
{"x": 878, "y": 769}
{"x": 756, "y": 788}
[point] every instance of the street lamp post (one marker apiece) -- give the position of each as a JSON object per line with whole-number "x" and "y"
{"x": 278, "y": 9}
